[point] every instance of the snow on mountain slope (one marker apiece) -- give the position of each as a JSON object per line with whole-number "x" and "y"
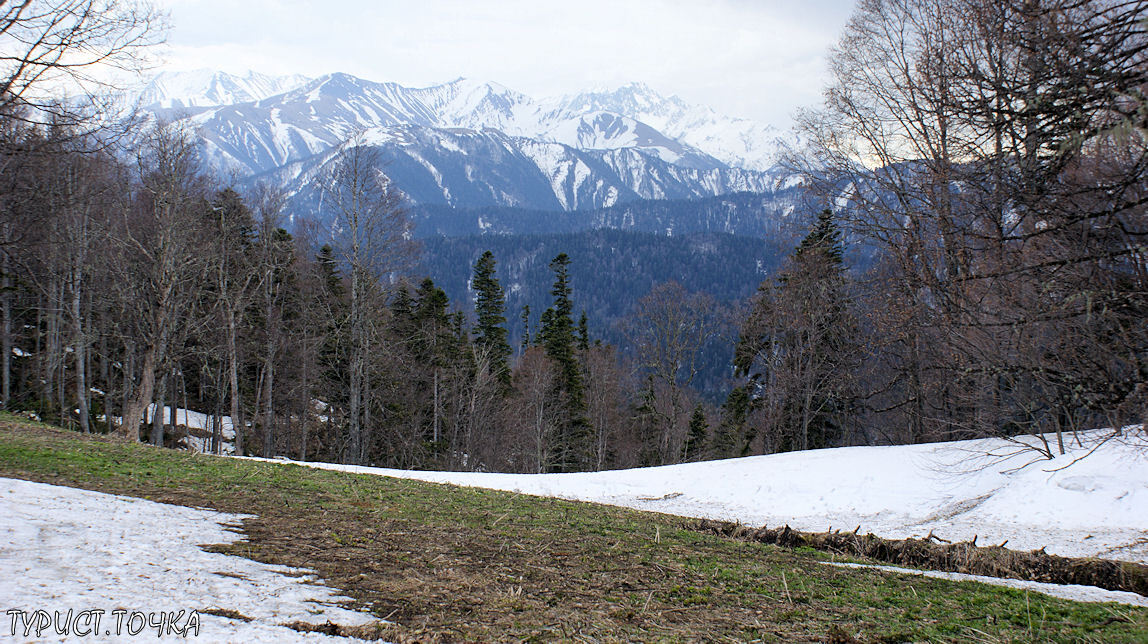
{"x": 736, "y": 142}
{"x": 64, "y": 548}
{"x": 477, "y": 168}
{"x": 472, "y": 104}
{"x": 256, "y": 137}
{"x": 209, "y": 88}
{"x": 603, "y": 155}
{"x": 1097, "y": 507}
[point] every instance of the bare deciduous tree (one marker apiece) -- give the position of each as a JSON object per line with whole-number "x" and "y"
{"x": 373, "y": 242}
{"x": 670, "y": 328}
{"x": 54, "y": 47}
{"x": 161, "y": 260}
{"x": 996, "y": 153}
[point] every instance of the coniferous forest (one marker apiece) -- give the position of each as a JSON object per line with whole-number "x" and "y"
{"x": 991, "y": 162}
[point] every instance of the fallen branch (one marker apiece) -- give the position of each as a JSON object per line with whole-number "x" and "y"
{"x": 964, "y": 556}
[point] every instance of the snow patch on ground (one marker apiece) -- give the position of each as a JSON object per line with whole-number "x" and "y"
{"x": 199, "y": 426}
{"x": 1064, "y": 591}
{"x": 193, "y": 420}
{"x": 63, "y": 548}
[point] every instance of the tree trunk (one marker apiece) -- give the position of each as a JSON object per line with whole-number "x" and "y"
{"x": 434, "y": 414}
{"x": 106, "y": 381}
{"x": 357, "y": 360}
{"x": 80, "y": 349}
{"x": 217, "y": 427}
{"x": 5, "y": 333}
{"x": 157, "y": 415}
{"x": 134, "y": 408}
{"x": 268, "y": 408}
{"x": 233, "y": 380}
{"x": 305, "y": 414}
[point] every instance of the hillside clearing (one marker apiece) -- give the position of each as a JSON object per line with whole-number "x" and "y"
{"x": 992, "y": 489}
{"x": 449, "y": 564}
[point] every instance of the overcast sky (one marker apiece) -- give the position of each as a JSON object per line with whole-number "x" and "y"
{"x": 758, "y": 59}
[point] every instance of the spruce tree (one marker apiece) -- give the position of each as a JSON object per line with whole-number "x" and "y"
{"x": 695, "y": 447}
{"x": 436, "y": 348}
{"x": 824, "y": 239}
{"x": 490, "y": 331}
{"x": 799, "y": 343}
{"x": 583, "y": 334}
{"x": 329, "y": 269}
{"x": 731, "y": 437}
{"x": 557, "y": 332}
{"x": 525, "y": 327}
{"x": 558, "y": 338}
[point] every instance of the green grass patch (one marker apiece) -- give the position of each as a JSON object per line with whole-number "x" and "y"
{"x": 461, "y": 564}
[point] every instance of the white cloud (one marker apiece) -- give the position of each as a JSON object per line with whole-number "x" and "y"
{"x": 744, "y": 57}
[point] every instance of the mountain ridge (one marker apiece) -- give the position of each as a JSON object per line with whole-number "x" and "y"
{"x": 592, "y": 149}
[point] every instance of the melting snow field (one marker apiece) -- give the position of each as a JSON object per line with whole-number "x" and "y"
{"x": 992, "y": 490}
{"x": 63, "y": 548}
{"x": 1096, "y": 507}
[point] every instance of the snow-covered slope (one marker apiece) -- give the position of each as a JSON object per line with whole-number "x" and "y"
{"x": 65, "y": 549}
{"x": 478, "y": 168}
{"x": 1097, "y": 507}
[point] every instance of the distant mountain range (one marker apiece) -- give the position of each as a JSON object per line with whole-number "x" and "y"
{"x": 635, "y": 187}
{"x": 471, "y": 144}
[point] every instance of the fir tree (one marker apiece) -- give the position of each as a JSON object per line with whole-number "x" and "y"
{"x": 731, "y": 438}
{"x": 825, "y": 240}
{"x": 799, "y": 342}
{"x": 694, "y": 448}
{"x": 490, "y": 310}
{"x": 436, "y": 347}
{"x": 583, "y": 334}
{"x": 525, "y": 327}
{"x": 557, "y": 332}
{"x": 432, "y": 319}
{"x": 329, "y": 269}
{"x": 558, "y": 338}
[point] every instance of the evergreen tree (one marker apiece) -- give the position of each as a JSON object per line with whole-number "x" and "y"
{"x": 799, "y": 343}
{"x": 583, "y": 334}
{"x": 402, "y": 311}
{"x": 329, "y": 269}
{"x": 730, "y": 439}
{"x": 557, "y": 333}
{"x": 435, "y": 347}
{"x": 436, "y": 335}
{"x": 525, "y": 327}
{"x": 490, "y": 310}
{"x": 694, "y": 448}
{"x": 825, "y": 240}
{"x": 557, "y": 336}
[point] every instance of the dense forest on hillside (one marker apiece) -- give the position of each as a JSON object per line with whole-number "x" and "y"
{"x": 745, "y": 213}
{"x": 610, "y": 272}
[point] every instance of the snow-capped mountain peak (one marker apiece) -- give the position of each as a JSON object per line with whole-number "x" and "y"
{"x": 734, "y": 141}
{"x": 205, "y": 88}
{"x": 473, "y": 142}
